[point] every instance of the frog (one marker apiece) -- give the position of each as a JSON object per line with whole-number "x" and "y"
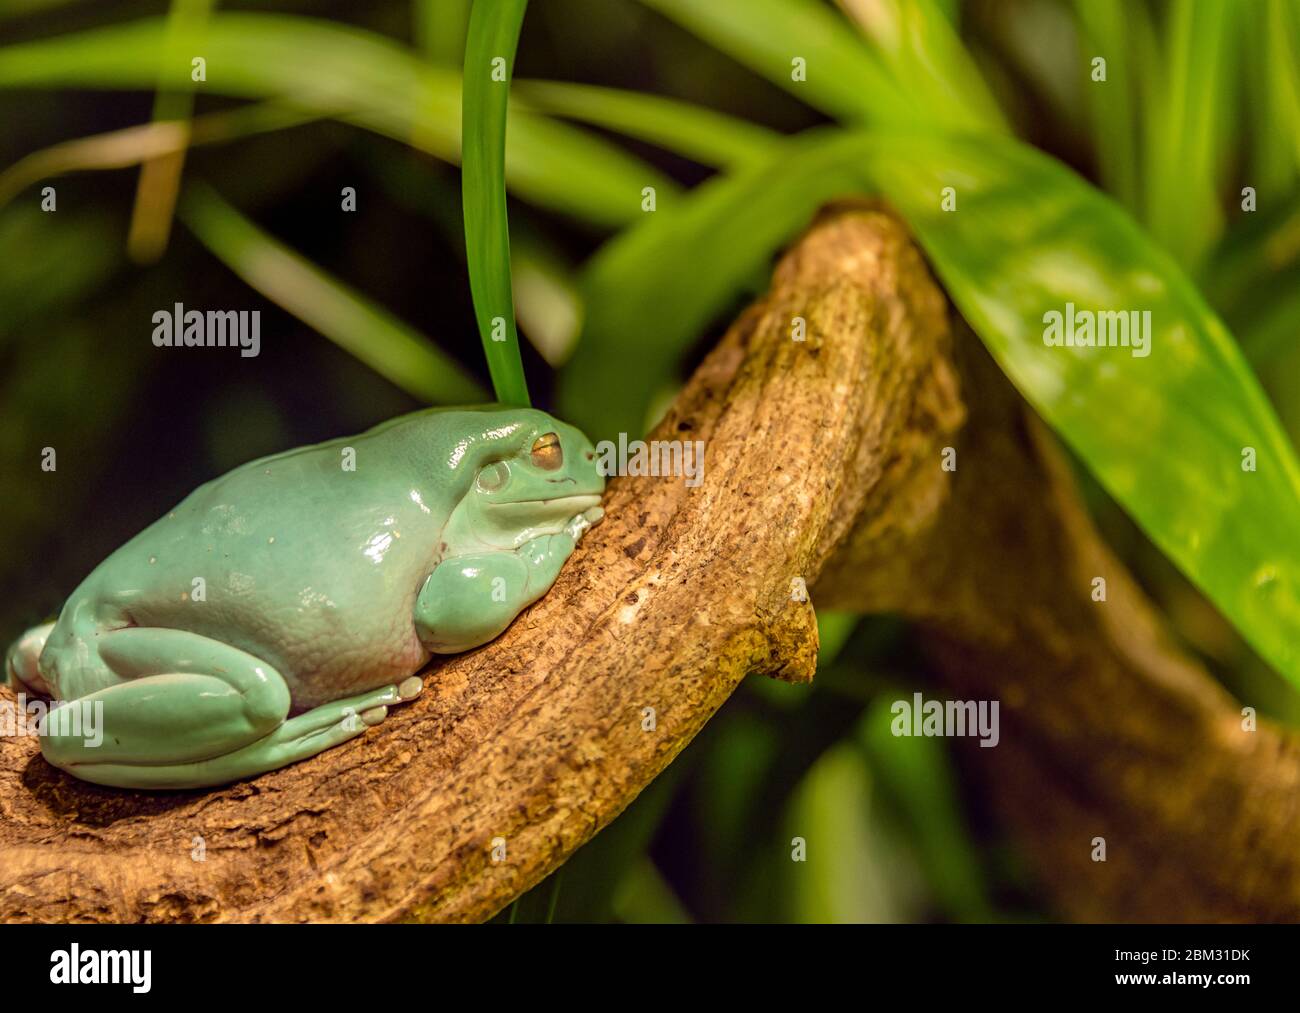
{"x": 282, "y": 608}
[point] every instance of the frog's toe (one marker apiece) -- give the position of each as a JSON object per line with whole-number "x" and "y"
{"x": 375, "y": 715}
{"x": 580, "y": 524}
{"x": 21, "y": 668}
{"x": 410, "y": 687}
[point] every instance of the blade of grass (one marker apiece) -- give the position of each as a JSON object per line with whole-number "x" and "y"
{"x": 653, "y": 288}
{"x": 1274, "y": 106}
{"x": 119, "y": 149}
{"x": 707, "y": 137}
{"x": 352, "y": 75}
{"x": 645, "y": 897}
{"x": 865, "y": 876}
{"x": 160, "y": 177}
{"x": 1271, "y": 328}
{"x": 354, "y": 323}
{"x": 440, "y": 29}
{"x": 916, "y": 774}
{"x": 489, "y": 62}
{"x": 843, "y": 76}
{"x": 546, "y": 299}
{"x": 1112, "y": 104}
{"x": 1187, "y": 129}
{"x": 557, "y": 878}
{"x": 915, "y": 72}
{"x": 919, "y": 45}
{"x": 1255, "y": 249}
{"x": 548, "y": 305}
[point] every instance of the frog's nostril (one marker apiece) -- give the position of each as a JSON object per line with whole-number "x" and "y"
{"x": 590, "y": 455}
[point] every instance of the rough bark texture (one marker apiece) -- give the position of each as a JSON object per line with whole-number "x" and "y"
{"x": 1108, "y": 729}
{"x": 822, "y": 464}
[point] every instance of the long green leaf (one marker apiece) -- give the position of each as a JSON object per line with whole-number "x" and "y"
{"x": 652, "y": 289}
{"x": 1113, "y": 102}
{"x": 917, "y": 775}
{"x": 350, "y": 74}
{"x": 915, "y": 71}
{"x": 1273, "y": 77}
{"x": 841, "y": 76}
{"x": 709, "y": 138}
{"x": 489, "y": 59}
{"x": 1165, "y": 433}
{"x": 354, "y": 323}
{"x": 159, "y": 182}
{"x": 129, "y": 146}
{"x": 1186, "y": 129}
{"x": 440, "y": 29}
{"x": 919, "y": 45}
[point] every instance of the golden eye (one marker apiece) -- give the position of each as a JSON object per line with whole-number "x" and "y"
{"x": 547, "y": 452}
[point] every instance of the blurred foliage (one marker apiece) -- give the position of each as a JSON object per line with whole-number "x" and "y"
{"x": 700, "y": 101}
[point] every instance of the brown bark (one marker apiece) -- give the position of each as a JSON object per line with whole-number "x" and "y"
{"x": 823, "y": 463}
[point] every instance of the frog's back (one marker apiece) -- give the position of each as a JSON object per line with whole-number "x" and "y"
{"x": 310, "y": 559}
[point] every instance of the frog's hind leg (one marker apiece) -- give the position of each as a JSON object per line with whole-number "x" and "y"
{"x": 183, "y": 697}
{"x": 193, "y": 712}
{"x": 297, "y": 739}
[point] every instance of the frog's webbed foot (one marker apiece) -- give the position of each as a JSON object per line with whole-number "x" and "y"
{"x": 312, "y": 732}
{"x": 581, "y": 524}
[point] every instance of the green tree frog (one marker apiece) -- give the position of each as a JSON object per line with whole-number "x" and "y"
{"x": 282, "y": 608}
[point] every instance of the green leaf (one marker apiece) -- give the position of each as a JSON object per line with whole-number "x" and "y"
{"x": 489, "y": 59}
{"x": 842, "y": 76}
{"x": 918, "y": 44}
{"x": 915, "y": 72}
{"x": 440, "y": 29}
{"x": 1259, "y": 246}
{"x": 1113, "y": 103}
{"x": 1186, "y": 128}
{"x": 645, "y": 897}
{"x": 1273, "y": 77}
{"x": 709, "y": 138}
{"x": 916, "y": 774}
{"x": 129, "y": 146}
{"x": 349, "y": 74}
{"x": 652, "y": 289}
{"x": 366, "y": 330}
{"x": 1164, "y": 434}
{"x": 866, "y": 874}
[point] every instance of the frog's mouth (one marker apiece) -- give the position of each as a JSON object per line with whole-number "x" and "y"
{"x": 569, "y": 506}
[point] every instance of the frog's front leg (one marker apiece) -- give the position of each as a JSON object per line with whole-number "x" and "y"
{"x": 468, "y": 600}
{"x": 193, "y": 712}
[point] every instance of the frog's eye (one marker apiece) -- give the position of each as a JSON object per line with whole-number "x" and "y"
{"x": 547, "y": 452}
{"x": 493, "y": 477}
